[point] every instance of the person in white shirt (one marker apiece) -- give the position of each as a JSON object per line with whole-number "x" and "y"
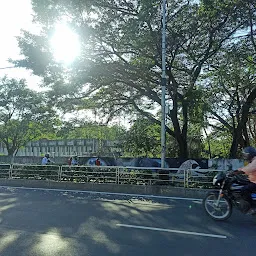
{"x": 46, "y": 160}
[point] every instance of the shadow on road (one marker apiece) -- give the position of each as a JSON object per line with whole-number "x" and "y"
{"x": 42, "y": 223}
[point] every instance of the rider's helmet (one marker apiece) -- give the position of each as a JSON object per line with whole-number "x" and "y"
{"x": 47, "y": 155}
{"x": 249, "y": 153}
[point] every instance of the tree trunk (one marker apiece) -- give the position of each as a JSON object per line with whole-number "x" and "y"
{"x": 180, "y": 133}
{"x": 183, "y": 148}
{"x": 241, "y": 127}
{"x": 234, "y": 145}
{"x": 208, "y": 143}
{"x": 12, "y": 151}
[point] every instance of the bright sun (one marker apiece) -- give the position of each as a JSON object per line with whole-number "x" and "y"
{"x": 65, "y": 44}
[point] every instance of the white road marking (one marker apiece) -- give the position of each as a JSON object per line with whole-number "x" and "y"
{"x": 104, "y": 193}
{"x": 172, "y": 231}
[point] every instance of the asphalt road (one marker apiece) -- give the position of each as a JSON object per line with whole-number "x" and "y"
{"x": 42, "y": 223}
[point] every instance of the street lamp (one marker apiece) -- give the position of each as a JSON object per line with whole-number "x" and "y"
{"x": 163, "y": 82}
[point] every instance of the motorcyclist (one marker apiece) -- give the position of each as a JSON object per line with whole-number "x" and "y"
{"x": 249, "y": 154}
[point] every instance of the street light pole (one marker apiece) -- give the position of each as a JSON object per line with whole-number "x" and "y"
{"x": 163, "y": 139}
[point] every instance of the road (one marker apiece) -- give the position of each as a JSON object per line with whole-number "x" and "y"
{"x": 41, "y": 223}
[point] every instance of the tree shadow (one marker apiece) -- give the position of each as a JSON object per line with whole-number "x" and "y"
{"x": 54, "y": 223}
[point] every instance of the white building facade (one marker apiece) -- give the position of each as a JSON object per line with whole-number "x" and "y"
{"x": 68, "y": 147}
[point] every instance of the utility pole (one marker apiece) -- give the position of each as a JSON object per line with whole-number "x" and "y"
{"x": 163, "y": 132}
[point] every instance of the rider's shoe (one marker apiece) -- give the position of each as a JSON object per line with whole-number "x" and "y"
{"x": 251, "y": 211}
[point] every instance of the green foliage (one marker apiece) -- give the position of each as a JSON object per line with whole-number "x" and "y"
{"x": 231, "y": 92}
{"x": 119, "y": 70}
{"x": 143, "y": 139}
{"x": 220, "y": 143}
{"x": 24, "y": 114}
{"x": 78, "y": 130}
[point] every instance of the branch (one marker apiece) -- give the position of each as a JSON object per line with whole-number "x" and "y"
{"x": 224, "y": 122}
{"x": 218, "y": 128}
{"x": 207, "y": 54}
{"x": 147, "y": 92}
{"x": 246, "y": 107}
{"x": 119, "y": 9}
{"x": 150, "y": 117}
{"x": 177, "y": 12}
{"x": 251, "y": 29}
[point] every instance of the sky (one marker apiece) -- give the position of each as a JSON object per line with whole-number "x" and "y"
{"x": 14, "y": 16}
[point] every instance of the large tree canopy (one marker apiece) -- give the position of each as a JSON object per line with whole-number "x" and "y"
{"x": 119, "y": 69}
{"x": 231, "y": 93}
{"x": 24, "y": 114}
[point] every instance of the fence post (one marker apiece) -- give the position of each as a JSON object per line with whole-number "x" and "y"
{"x": 185, "y": 178}
{"x": 87, "y": 175}
{"x": 10, "y": 171}
{"x": 60, "y": 172}
{"x": 117, "y": 175}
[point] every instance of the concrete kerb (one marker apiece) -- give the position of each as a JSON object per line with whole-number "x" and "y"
{"x": 107, "y": 188}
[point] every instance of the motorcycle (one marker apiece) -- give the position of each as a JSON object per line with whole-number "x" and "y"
{"x": 219, "y": 204}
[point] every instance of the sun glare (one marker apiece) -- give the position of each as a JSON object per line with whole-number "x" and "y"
{"x": 65, "y": 44}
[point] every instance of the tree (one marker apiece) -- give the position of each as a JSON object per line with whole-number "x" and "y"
{"x": 120, "y": 63}
{"x": 143, "y": 139}
{"x": 75, "y": 129}
{"x": 24, "y": 114}
{"x": 217, "y": 144}
{"x": 252, "y": 128}
{"x": 110, "y": 137}
{"x": 231, "y": 93}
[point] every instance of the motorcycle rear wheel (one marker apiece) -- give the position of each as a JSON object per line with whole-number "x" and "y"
{"x": 222, "y": 211}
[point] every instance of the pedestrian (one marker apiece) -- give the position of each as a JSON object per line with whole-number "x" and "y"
{"x": 73, "y": 170}
{"x": 97, "y": 162}
{"x": 74, "y": 161}
{"x": 70, "y": 161}
{"x": 46, "y": 159}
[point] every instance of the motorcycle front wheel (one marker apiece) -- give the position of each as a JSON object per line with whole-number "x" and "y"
{"x": 221, "y": 210}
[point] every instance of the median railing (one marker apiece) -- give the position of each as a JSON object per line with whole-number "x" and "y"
{"x": 200, "y": 178}
{"x": 98, "y": 174}
{"x": 191, "y": 178}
